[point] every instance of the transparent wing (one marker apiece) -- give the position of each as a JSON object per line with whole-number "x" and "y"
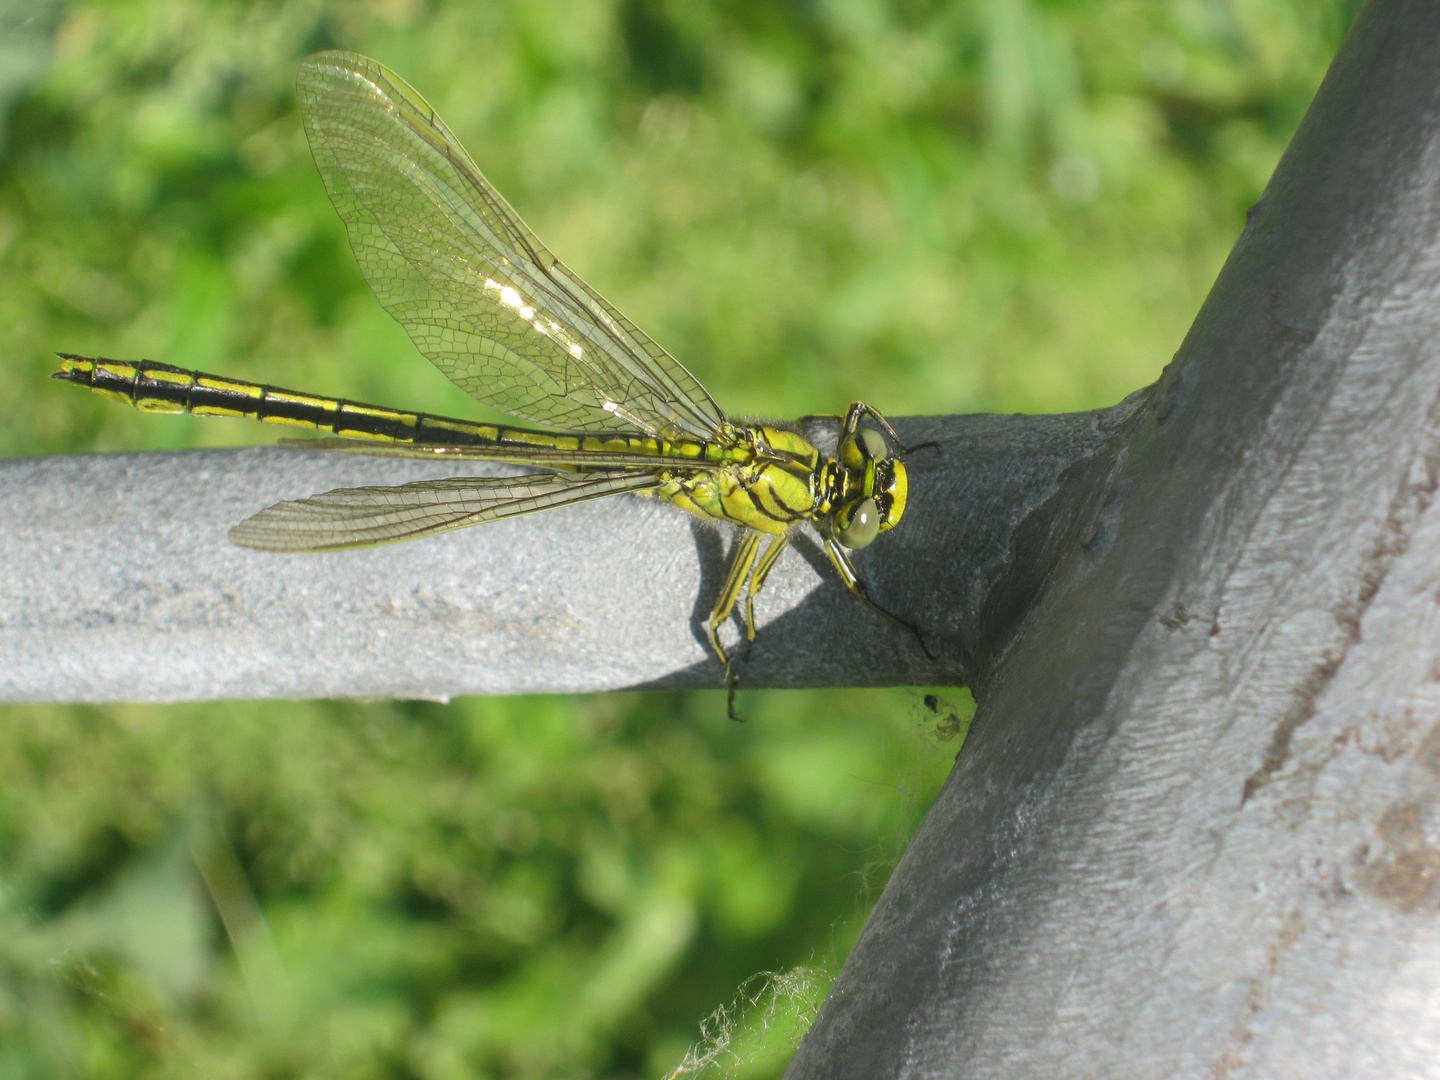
{"x": 364, "y": 517}
{"x": 478, "y": 293}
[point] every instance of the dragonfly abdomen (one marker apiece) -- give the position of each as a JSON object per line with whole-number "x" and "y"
{"x": 155, "y": 387}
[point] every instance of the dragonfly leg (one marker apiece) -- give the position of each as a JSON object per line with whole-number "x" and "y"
{"x": 778, "y": 544}
{"x": 858, "y": 410}
{"x": 852, "y": 581}
{"x": 739, "y": 569}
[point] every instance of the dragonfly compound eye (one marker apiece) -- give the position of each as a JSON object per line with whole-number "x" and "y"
{"x": 864, "y": 445}
{"x": 873, "y": 443}
{"x": 858, "y": 524}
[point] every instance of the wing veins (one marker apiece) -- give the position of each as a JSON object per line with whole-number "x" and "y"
{"x": 369, "y": 516}
{"x": 395, "y": 171}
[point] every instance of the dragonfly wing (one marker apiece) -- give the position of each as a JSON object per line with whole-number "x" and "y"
{"x": 365, "y": 517}
{"x": 478, "y": 293}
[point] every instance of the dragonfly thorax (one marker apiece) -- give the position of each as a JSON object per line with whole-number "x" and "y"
{"x": 780, "y": 479}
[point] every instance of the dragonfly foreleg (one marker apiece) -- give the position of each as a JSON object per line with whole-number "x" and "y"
{"x": 852, "y": 580}
{"x": 859, "y": 410}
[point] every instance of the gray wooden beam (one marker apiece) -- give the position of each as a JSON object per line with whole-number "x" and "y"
{"x": 117, "y": 581}
{"x": 1196, "y": 829}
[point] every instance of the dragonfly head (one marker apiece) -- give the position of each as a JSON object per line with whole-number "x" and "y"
{"x": 879, "y": 502}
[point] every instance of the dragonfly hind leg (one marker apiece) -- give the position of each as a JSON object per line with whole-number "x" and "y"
{"x": 739, "y": 570}
{"x": 777, "y": 547}
{"x": 743, "y": 568}
{"x": 740, "y": 567}
{"x": 744, "y": 565}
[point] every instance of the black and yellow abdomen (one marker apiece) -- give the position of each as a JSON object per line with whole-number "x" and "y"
{"x": 154, "y": 387}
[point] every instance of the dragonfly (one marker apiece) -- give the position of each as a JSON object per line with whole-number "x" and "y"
{"x": 488, "y": 304}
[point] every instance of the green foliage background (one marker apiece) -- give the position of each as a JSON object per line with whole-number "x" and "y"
{"x": 940, "y": 207}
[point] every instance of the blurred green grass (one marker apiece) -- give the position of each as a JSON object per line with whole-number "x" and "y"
{"x": 987, "y": 205}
